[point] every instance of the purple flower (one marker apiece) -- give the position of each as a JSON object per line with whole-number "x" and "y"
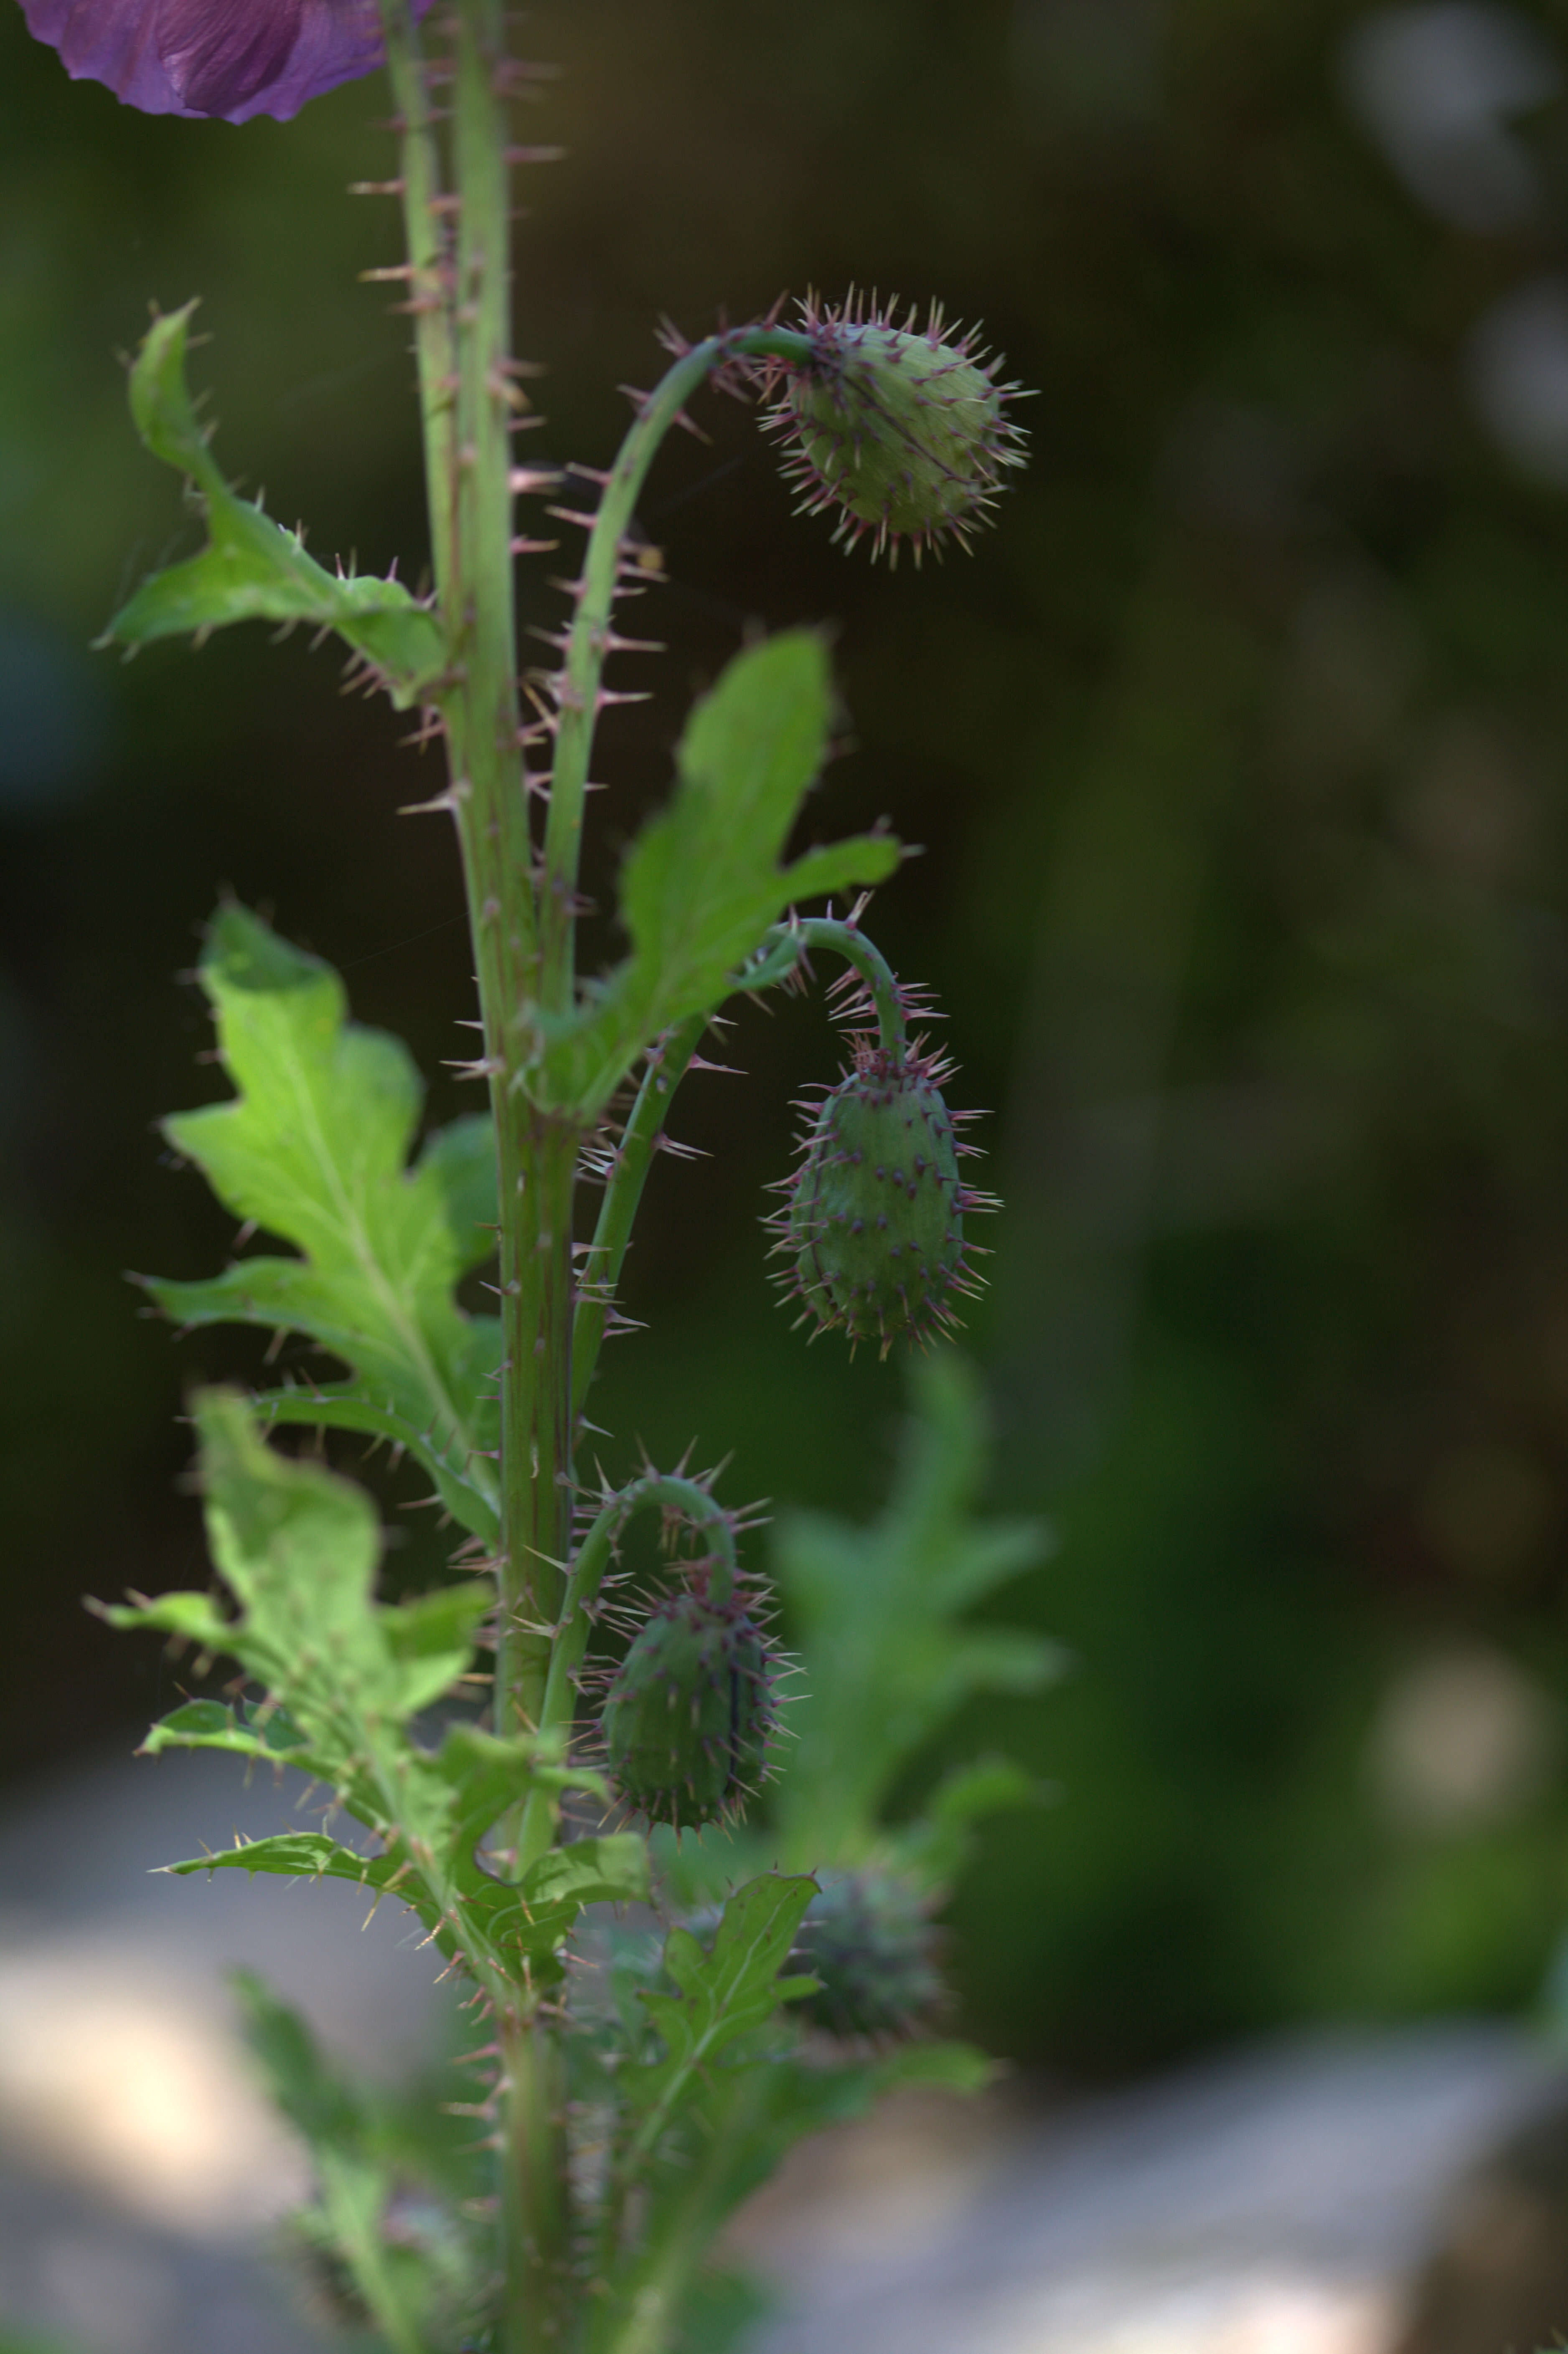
{"x": 229, "y": 58}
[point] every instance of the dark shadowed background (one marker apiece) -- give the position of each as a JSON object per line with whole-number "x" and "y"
{"x": 1238, "y": 756}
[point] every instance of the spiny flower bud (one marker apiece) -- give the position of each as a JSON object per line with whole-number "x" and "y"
{"x": 868, "y": 1945}
{"x": 873, "y": 1227}
{"x": 690, "y": 1711}
{"x": 904, "y": 429}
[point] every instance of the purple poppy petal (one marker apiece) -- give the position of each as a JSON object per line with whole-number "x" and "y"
{"x": 232, "y": 58}
{"x": 220, "y": 57}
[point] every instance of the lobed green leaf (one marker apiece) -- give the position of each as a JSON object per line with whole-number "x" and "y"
{"x": 935, "y": 1847}
{"x": 608, "y": 1871}
{"x": 877, "y": 1613}
{"x": 703, "y": 882}
{"x": 528, "y": 1922}
{"x": 727, "y": 1991}
{"x": 269, "y": 1734}
{"x": 343, "y": 1675}
{"x": 252, "y": 568}
{"x": 313, "y": 1147}
{"x": 293, "y": 1855}
{"x": 417, "y": 2286}
{"x": 747, "y": 2118}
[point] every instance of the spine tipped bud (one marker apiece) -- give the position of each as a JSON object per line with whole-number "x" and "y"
{"x": 690, "y": 1711}
{"x": 868, "y": 1945}
{"x": 904, "y": 430}
{"x": 874, "y": 1226}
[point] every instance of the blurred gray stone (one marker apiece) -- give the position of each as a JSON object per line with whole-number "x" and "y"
{"x": 1270, "y": 2203}
{"x": 142, "y": 2173}
{"x": 1499, "y": 2274}
{"x": 79, "y": 1861}
{"x": 79, "y": 2271}
{"x": 1277, "y": 2201}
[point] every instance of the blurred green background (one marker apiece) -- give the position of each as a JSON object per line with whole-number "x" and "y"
{"x": 1238, "y": 756}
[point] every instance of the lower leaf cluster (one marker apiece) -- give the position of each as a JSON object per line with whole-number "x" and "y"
{"x": 801, "y": 1971}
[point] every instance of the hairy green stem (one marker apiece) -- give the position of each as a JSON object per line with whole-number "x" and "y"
{"x": 643, "y": 2321}
{"x": 591, "y": 639}
{"x": 459, "y": 279}
{"x": 847, "y": 940}
{"x": 428, "y": 276}
{"x": 351, "y": 2199}
{"x": 667, "y": 1066}
{"x": 467, "y": 444}
{"x": 535, "y": 2218}
{"x": 468, "y": 401}
{"x": 460, "y": 297}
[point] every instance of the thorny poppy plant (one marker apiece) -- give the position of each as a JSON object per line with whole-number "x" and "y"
{"x": 229, "y": 59}
{"x": 631, "y": 2078}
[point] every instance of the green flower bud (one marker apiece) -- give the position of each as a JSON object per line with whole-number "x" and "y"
{"x": 868, "y": 1945}
{"x": 874, "y": 1224}
{"x": 904, "y": 430}
{"x": 690, "y": 1711}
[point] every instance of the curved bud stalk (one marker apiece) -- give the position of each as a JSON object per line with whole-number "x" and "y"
{"x": 625, "y": 1162}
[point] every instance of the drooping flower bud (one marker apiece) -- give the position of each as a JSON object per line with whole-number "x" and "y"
{"x": 904, "y": 430}
{"x": 868, "y": 1945}
{"x": 690, "y": 1711}
{"x": 873, "y": 1227}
